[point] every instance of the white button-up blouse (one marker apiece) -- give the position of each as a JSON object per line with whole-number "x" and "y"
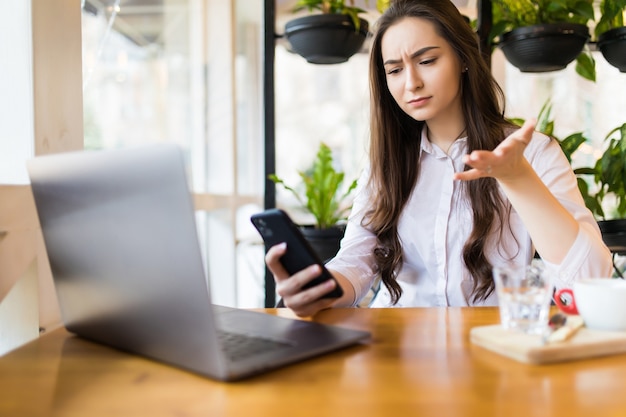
{"x": 437, "y": 221}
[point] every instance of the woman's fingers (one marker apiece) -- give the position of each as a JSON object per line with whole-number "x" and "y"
{"x": 304, "y": 302}
{"x": 293, "y": 285}
{"x": 308, "y": 302}
{"x": 525, "y": 133}
{"x": 504, "y": 161}
{"x": 481, "y": 164}
{"x": 272, "y": 260}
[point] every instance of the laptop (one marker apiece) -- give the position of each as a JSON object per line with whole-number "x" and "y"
{"x": 120, "y": 233}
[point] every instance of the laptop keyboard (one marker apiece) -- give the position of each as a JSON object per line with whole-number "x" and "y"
{"x": 238, "y": 346}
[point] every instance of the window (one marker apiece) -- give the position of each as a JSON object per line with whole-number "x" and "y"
{"x": 187, "y": 72}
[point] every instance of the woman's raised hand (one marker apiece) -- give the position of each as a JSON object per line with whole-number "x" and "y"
{"x": 506, "y": 162}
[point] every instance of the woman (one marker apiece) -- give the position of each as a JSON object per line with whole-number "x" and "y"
{"x": 453, "y": 189}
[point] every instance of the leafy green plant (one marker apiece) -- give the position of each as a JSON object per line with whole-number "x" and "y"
{"x": 608, "y": 173}
{"x": 346, "y": 7}
{"x": 512, "y": 14}
{"x": 332, "y": 6}
{"x": 611, "y": 15}
{"x": 322, "y": 196}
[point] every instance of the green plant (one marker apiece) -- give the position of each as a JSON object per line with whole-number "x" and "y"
{"x": 516, "y": 13}
{"x": 608, "y": 174}
{"x": 611, "y": 15}
{"x": 340, "y": 7}
{"x": 512, "y": 14}
{"x": 322, "y": 196}
{"x": 569, "y": 145}
{"x": 332, "y": 6}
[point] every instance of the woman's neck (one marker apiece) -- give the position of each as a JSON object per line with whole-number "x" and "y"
{"x": 445, "y": 135}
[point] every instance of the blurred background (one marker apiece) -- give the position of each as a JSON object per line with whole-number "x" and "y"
{"x": 191, "y": 72}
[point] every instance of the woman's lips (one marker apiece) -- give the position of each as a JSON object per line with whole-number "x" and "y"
{"x": 418, "y": 102}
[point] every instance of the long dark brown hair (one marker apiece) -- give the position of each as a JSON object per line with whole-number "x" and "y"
{"x": 395, "y": 145}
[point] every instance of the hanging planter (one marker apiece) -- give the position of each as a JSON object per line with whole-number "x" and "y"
{"x": 611, "y": 33}
{"x": 326, "y": 38}
{"x": 544, "y": 47}
{"x": 544, "y": 35}
{"x": 612, "y": 44}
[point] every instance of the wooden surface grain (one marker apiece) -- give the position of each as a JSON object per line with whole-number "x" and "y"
{"x": 418, "y": 362}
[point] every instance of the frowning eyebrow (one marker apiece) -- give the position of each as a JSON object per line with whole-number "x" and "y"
{"x": 413, "y": 55}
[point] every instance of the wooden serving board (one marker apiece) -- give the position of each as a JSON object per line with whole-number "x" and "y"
{"x": 585, "y": 343}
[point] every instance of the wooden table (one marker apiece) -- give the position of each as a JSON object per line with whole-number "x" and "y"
{"x": 419, "y": 362}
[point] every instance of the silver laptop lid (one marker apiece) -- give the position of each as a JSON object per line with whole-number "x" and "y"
{"x": 126, "y": 264}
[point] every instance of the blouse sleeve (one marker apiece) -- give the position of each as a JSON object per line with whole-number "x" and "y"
{"x": 355, "y": 258}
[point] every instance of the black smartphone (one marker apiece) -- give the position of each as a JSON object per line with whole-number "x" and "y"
{"x": 275, "y": 227}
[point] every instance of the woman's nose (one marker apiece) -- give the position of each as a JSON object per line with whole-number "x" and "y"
{"x": 413, "y": 81}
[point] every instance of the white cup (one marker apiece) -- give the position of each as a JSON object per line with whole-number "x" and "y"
{"x": 601, "y": 302}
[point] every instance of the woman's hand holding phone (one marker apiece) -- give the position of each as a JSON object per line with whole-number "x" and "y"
{"x": 303, "y": 302}
{"x": 302, "y": 280}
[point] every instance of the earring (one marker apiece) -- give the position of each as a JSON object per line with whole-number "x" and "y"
{"x": 465, "y": 69}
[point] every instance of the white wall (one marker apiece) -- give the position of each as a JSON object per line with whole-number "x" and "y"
{"x": 40, "y": 112}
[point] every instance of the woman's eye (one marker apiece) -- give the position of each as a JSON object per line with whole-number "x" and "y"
{"x": 428, "y": 61}
{"x": 393, "y": 71}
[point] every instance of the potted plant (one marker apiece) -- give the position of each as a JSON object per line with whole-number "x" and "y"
{"x": 607, "y": 175}
{"x": 330, "y": 36}
{"x": 322, "y": 195}
{"x": 544, "y": 35}
{"x": 610, "y": 178}
{"x": 611, "y": 32}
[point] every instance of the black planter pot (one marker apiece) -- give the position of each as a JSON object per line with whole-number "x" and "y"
{"x": 612, "y": 44}
{"x": 325, "y": 242}
{"x": 544, "y": 47}
{"x": 325, "y": 38}
{"x": 614, "y": 235}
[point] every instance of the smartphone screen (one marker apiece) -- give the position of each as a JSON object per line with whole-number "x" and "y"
{"x": 276, "y": 227}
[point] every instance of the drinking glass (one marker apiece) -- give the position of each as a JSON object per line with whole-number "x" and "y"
{"x": 524, "y": 294}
